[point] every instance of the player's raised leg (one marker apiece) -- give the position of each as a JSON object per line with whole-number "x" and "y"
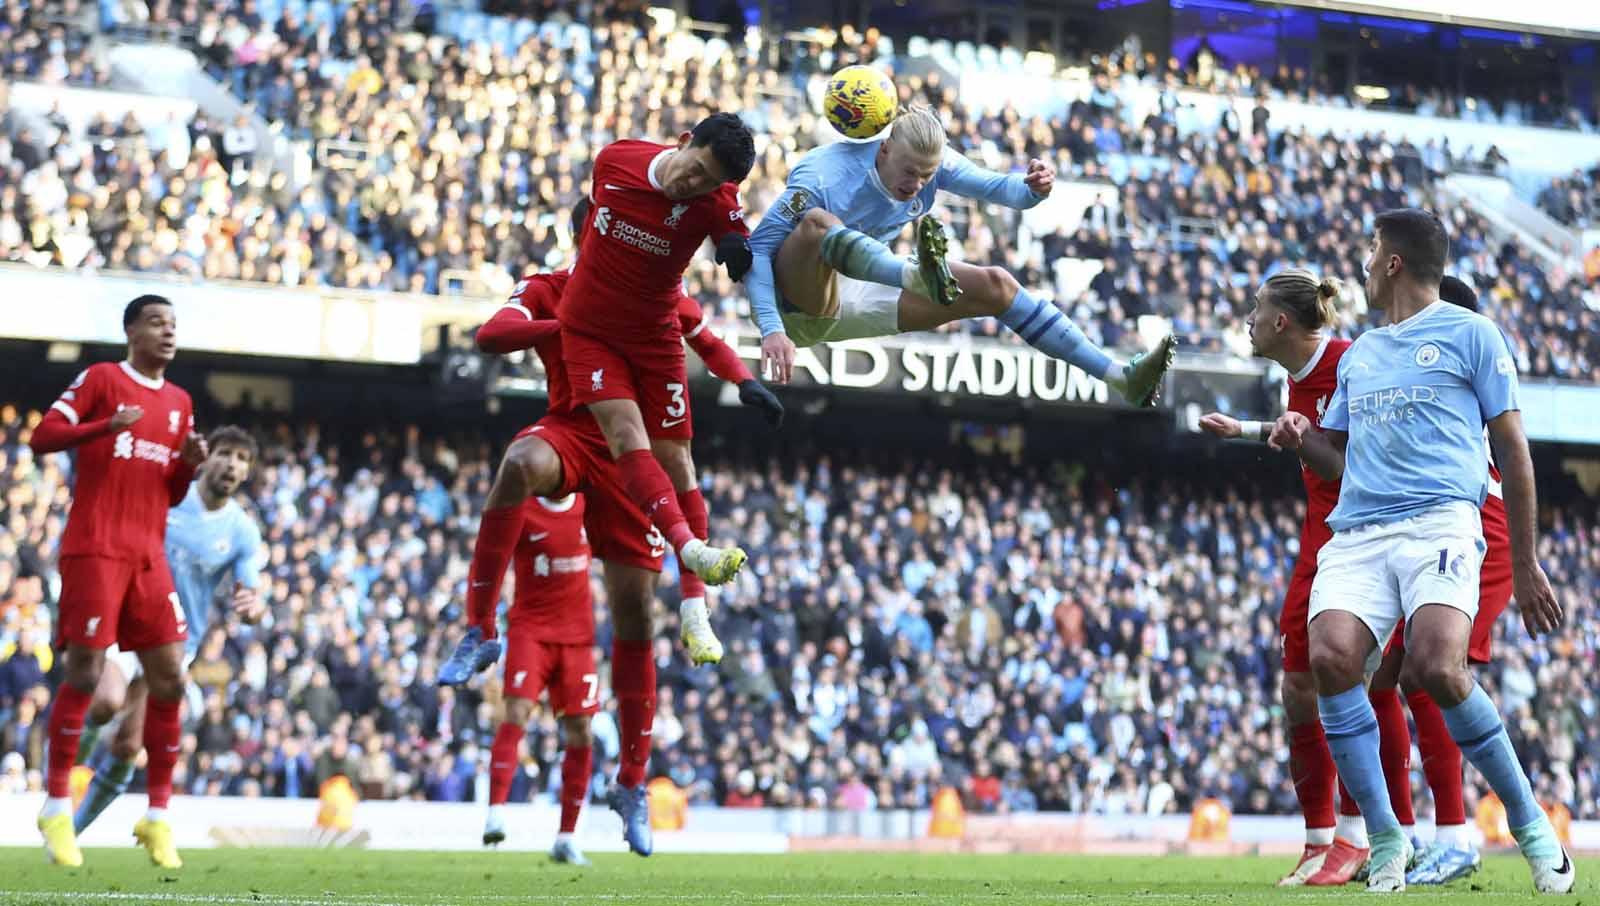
{"x": 1435, "y": 663}
{"x": 163, "y": 732}
{"x": 112, "y": 779}
{"x": 530, "y": 467}
{"x": 693, "y": 617}
{"x": 633, "y": 682}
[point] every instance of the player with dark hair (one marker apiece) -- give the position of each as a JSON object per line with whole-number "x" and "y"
{"x": 550, "y": 646}
{"x": 566, "y": 452}
{"x": 654, "y": 205}
{"x": 1404, "y": 433}
{"x": 136, "y": 454}
{"x": 209, "y": 537}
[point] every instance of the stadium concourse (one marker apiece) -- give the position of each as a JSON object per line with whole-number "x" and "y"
{"x": 423, "y": 191}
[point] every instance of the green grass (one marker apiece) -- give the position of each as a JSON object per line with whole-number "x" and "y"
{"x": 285, "y": 877}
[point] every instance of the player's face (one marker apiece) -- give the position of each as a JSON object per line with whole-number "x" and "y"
{"x": 1263, "y": 321}
{"x": 226, "y": 468}
{"x": 154, "y": 337}
{"x": 691, "y": 172}
{"x": 903, "y": 171}
{"x": 1378, "y": 280}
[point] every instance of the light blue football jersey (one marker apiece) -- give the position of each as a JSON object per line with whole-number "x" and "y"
{"x": 842, "y": 179}
{"x": 204, "y": 547}
{"x": 1414, "y": 398}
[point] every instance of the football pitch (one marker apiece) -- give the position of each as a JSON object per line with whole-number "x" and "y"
{"x": 287, "y": 877}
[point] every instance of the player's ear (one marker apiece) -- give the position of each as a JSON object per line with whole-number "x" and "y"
{"x": 683, "y": 139}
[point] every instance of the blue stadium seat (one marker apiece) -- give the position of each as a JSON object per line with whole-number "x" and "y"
{"x": 988, "y": 57}
{"x": 521, "y": 29}
{"x": 320, "y": 13}
{"x": 917, "y": 46}
{"x": 473, "y": 27}
{"x": 499, "y": 33}
{"x": 552, "y": 33}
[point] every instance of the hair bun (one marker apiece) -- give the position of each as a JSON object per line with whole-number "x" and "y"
{"x": 1328, "y": 288}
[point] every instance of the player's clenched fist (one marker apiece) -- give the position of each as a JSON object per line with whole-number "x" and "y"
{"x": 1041, "y": 177}
{"x": 126, "y": 417}
{"x": 1289, "y": 432}
{"x": 194, "y": 449}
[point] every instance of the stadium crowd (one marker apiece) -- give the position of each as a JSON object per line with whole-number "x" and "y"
{"x": 1040, "y": 640}
{"x": 449, "y": 166}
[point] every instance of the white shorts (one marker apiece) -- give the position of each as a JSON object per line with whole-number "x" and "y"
{"x": 865, "y": 310}
{"x": 1381, "y": 573}
{"x": 126, "y": 661}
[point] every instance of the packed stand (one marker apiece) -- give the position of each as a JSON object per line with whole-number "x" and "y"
{"x": 1040, "y": 640}
{"x": 39, "y": 42}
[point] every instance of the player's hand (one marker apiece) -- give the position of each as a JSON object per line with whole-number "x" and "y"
{"x": 754, "y": 393}
{"x": 194, "y": 449}
{"x": 122, "y": 418}
{"x": 1541, "y": 612}
{"x": 247, "y": 604}
{"x": 1224, "y": 426}
{"x": 777, "y": 357}
{"x": 733, "y": 253}
{"x": 1041, "y": 177}
{"x": 1289, "y": 432}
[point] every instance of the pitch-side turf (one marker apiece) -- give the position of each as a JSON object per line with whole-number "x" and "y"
{"x": 288, "y": 877}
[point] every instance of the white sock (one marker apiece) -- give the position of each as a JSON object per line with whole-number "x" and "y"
{"x": 1353, "y": 830}
{"x": 911, "y": 279}
{"x": 1113, "y": 373}
{"x": 1319, "y": 836}
{"x": 692, "y": 608}
{"x": 1410, "y": 831}
{"x": 56, "y": 805}
{"x": 497, "y": 814}
{"x": 155, "y": 814}
{"x": 1453, "y": 835}
{"x": 563, "y": 837}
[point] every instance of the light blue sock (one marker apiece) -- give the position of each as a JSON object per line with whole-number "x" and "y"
{"x": 862, "y": 257}
{"x": 1476, "y": 727}
{"x": 1046, "y": 329}
{"x": 104, "y": 789}
{"x": 1352, "y": 730}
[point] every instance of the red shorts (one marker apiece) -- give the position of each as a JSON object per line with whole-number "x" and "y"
{"x": 619, "y": 532}
{"x": 654, "y": 376}
{"x": 110, "y": 600}
{"x": 1495, "y": 586}
{"x": 567, "y": 671}
{"x": 1294, "y": 621}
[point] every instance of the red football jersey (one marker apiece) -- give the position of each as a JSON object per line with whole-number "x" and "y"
{"x": 121, "y": 492}
{"x": 1496, "y": 534}
{"x": 539, "y": 297}
{"x": 637, "y": 243}
{"x": 552, "y": 570}
{"x": 1309, "y": 392}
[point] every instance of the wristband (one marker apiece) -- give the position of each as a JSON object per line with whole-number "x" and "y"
{"x": 1251, "y": 430}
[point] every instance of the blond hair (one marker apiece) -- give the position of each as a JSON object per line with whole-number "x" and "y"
{"x": 1307, "y": 298}
{"x": 919, "y": 129}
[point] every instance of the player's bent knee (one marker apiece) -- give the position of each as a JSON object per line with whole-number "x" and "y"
{"x": 817, "y": 222}
{"x": 1299, "y": 691}
{"x": 1336, "y": 665}
{"x": 124, "y": 749}
{"x": 83, "y": 668}
{"x": 999, "y": 288}
{"x": 519, "y": 711}
{"x": 577, "y": 729}
{"x": 532, "y": 467}
{"x": 1438, "y": 671}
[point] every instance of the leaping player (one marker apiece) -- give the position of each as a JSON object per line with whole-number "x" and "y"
{"x": 822, "y": 269}
{"x": 137, "y": 452}
{"x": 549, "y": 645}
{"x": 209, "y": 537}
{"x": 1404, "y": 432}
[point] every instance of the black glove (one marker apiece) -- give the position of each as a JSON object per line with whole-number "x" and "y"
{"x": 733, "y": 252}
{"x": 754, "y": 393}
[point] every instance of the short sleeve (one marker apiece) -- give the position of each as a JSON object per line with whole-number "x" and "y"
{"x": 1494, "y": 370}
{"x": 83, "y": 398}
{"x": 1337, "y": 416}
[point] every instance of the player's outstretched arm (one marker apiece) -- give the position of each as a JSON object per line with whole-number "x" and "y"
{"x": 1541, "y": 611}
{"x": 1020, "y": 191}
{"x": 513, "y": 329}
{"x": 1227, "y": 427}
{"x": 1321, "y": 451}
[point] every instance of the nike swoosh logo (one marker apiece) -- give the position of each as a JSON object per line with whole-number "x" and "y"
{"x": 670, "y": 422}
{"x": 645, "y": 732}
{"x": 620, "y": 188}
{"x": 480, "y": 585}
{"x": 538, "y": 536}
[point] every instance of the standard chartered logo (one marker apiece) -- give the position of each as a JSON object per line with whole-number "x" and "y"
{"x": 602, "y": 221}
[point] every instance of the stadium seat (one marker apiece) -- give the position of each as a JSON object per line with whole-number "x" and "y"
{"x": 320, "y": 13}
{"x": 918, "y": 46}
{"x": 988, "y": 58}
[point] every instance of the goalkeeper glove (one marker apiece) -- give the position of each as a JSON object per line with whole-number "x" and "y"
{"x": 754, "y": 393}
{"x": 733, "y": 252}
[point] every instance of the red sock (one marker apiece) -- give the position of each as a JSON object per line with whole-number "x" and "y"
{"x": 66, "y": 728}
{"x": 497, "y": 538}
{"x": 693, "y": 505}
{"x": 575, "y": 766}
{"x": 1394, "y": 748}
{"x": 163, "y": 732}
{"x": 1347, "y": 803}
{"x": 633, "y": 682}
{"x": 650, "y": 488}
{"x": 503, "y": 761}
{"x": 1441, "y": 760}
{"x": 1311, "y": 767}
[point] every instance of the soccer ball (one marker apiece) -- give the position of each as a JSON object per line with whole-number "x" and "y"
{"x": 860, "y": 101}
